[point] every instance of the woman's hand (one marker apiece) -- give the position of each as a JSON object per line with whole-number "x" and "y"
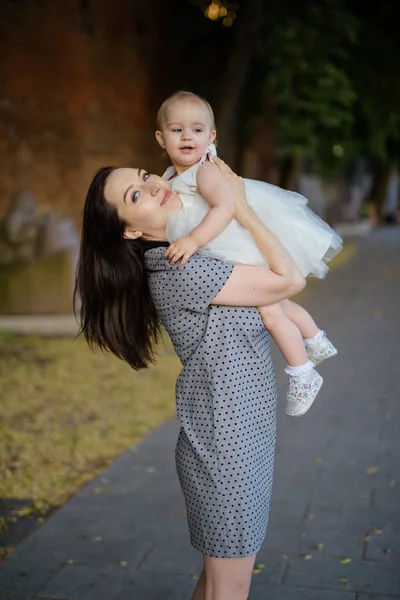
{"x": 238, "y": 188}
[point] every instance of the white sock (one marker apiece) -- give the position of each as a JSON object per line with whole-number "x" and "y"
{"x": 315, "y": 339}
{"x": 301, "y": 370}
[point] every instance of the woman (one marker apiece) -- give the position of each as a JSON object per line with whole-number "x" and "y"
{"x": 226, "y": 393}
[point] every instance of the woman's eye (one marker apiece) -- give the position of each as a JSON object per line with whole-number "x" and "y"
{"x": 135, "y": 196}
{"x": 146, "y": 176}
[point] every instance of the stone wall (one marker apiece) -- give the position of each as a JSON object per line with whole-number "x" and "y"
{"x": 75, "y": 94}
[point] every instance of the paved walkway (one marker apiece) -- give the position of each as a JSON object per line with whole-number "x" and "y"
{"x": 334, "y": 530}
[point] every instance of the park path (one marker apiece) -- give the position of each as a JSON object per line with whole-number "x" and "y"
{"x": 334, "y": 531}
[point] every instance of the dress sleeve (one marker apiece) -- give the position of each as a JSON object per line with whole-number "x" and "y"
{"x": 192, "y": 287}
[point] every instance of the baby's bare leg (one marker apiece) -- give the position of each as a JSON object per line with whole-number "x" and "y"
{"x": 304, "y": 381}
{"x": 300, "y": 317}
{"x": 286, "y": 334}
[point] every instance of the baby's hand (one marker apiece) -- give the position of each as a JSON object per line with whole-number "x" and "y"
{"x": 182, "y": 248}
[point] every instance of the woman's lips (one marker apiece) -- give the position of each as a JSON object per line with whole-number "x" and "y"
{"x": 166, "y": 197}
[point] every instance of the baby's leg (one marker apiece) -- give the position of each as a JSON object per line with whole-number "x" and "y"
{"x": 286, "y": 334}
{"x": 304, "y": 381}
{"x": 318, "y": 346}
{"x": 300, "y": 317}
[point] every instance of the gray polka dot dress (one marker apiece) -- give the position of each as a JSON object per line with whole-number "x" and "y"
{"x": 226, "y": 404}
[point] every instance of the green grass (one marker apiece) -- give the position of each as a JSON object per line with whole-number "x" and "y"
{"x": 67, "y": 412}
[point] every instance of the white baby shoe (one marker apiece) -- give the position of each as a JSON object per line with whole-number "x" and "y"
{"x": 302, "y": 391}
{"x": 320, "y": 350}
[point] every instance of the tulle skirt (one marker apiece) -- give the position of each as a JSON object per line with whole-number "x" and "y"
{"x": 309, "y": 240}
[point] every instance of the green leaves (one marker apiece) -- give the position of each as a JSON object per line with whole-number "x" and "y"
{"x": 313, "y": 92}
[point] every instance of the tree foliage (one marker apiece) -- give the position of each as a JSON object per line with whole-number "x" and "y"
{"x": 308, "y": 57}
{"x": 334, "y": 71}
{"x": 375, "y": 73}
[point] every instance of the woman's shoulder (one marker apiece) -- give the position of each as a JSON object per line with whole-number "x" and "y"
{"x": 200, "y": 271}
{"x": 192, "y": 286}
{"x": 156, "y": 261}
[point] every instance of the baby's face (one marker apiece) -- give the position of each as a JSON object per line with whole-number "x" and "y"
{"x": 186, "y": 133}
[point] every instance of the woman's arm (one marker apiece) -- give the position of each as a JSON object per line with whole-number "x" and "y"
{"x": 217, "y": 192}
{"x": 256, "y": 286}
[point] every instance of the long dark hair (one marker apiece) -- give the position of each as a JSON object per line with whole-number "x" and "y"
{"x": 117, "y": 313}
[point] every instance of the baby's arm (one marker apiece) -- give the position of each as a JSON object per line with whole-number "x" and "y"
{"x": 217, "y": 192}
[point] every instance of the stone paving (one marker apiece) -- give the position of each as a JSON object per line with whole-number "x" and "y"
{"x": 334, "y": 531}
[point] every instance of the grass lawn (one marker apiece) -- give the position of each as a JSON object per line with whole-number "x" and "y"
{"x": 66, "y": 412}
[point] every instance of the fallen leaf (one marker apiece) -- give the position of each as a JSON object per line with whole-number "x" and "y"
{"x": 308, "y": 557}
{"x": 6, "y": 551}
{"x": 377, "y": 531}
{"x": 123, "y": 563}
{"x": 318, "y": 460}
{"x": 256, "y": 571}
{"x": 387, "y": 551}
{"x": 195, "y": 577}
{"x": 366, "y": 538}
{"x": 311, "y": 517}
{"x": 345, "y": 561}
{"x": 344, "y": 580}
{"x": 320, "y": 546}
{"x": 372, "y": 470}
{"x": 260, "y": 566}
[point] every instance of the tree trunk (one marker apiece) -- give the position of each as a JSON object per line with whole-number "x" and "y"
{"x": 290, "y": 172}
{"x": 260, "y": 160}
{"x": 234, "y": 79}
{"x": 380, "y": 189}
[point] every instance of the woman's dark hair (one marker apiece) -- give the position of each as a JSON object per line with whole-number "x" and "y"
{"x": 117, "y": 313}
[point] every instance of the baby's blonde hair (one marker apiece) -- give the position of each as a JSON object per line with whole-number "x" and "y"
{"x": 183, "y": 96}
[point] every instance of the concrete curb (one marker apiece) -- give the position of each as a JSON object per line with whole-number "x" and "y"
{"x": 67, "y": 326}
{"x": 46, "y": 325}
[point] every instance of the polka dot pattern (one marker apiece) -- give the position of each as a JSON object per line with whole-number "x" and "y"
{"x": 226, "y": 404}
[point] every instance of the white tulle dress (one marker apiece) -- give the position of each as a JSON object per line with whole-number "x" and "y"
{"x": 308, "y": 239}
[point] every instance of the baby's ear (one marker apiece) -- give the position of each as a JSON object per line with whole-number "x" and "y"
{"x": 160, "y": 139}
{"x": 213, "y": 135}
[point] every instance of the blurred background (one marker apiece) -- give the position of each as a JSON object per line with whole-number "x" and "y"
{"x": 306, "y": 95}
{"x": 300, "y": 89}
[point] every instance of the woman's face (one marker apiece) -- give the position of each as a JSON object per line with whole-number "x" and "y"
{"x": 142, "y": 200}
